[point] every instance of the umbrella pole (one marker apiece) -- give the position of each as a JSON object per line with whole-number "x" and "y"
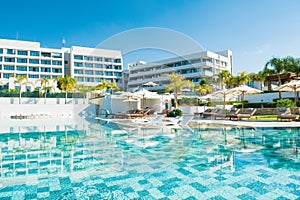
{"x": 295, "y": 100}
{"x": 224, "y": 101}
{"x": 243, "y": 102}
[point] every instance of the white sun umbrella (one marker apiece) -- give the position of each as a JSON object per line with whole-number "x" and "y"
{"x": 150, "y": 84}
{"x": 292, "y": 86}
{"x": 225, "y": 94}
{"x": 244, "y": 89}
{"x": 146, "y": 94}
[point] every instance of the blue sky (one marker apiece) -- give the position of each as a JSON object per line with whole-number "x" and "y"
{"x": 255, "y": 30}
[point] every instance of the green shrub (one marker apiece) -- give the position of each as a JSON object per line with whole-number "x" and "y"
{"x": 284, "y": 103}
{"x": 258, "y": 105}
{"x": 174, "y": 113}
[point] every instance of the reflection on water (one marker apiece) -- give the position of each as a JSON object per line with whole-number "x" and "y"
{"x": 115, "y": 148}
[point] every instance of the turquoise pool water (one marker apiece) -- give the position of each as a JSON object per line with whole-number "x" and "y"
{"x": 122, "y": 162}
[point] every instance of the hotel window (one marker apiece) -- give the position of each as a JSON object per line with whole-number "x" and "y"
{"x": 10, "y": 51}
{"x": 88, "y": 72}
{"x": 0, "y": 59}
{"x": 108, "y": 73}
{"x": 88, "y": 65}
{"x": 117, "y": 67}
{"x": 98, "y": 66}
{"x": 98, "y": 73}
{"x": 118, "y": 60}
{"x": 108, "y": 66}
{"x": 98, "y": 79}
{"x": 45, "y": 69}
{"x": 44, "y": 76}
{"x": 46, "y": 54}
{"x": 46, "y": 62}
{"x": 89, "y": 58}
{"x": 78, "y": 71}
{"x": 57, "y": 63}
{"x": 33, "y": 61}
{"x": 77, "y": 64}
{"x": 17, "y": 75}
{"x": 89, "y": 79}
{"x": 1, "y": 51}
{"x": 34, "y": 53}
{"x": 33, "y": 76}
{"x": 22, "y": 60}
{"x": 6, "y": 75}
{"x": 98, "y": 59}
{"x": 54, "y": 77}
{"x": 79, "y": 79}
{"x": 9, "y": 67}
{"x": 9, "y": 59}
{"x": 118, "y": 74}
{"x": 56, "y": 55}
{"x": 21, "y": 68}
{"x": 33, "y": 69}
{"x": 54, "y": 70}
{"x": 107, "y": 59}
{"x": 23, "y": 53}
{"x": 78, "y": 57}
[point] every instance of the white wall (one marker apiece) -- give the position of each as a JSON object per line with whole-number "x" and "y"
{"x": 267, "y": 97}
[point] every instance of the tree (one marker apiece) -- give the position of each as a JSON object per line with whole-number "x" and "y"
{"x": 203, "y": 88}
{"x": 277, "y": 66}
{"x": 224, "y": 77}
{"x": 45, "y": 87}
{"x": 21, "y": 80}
{"x": 84, "y": 90}
{"x": 107, "y": 85}
{"x": 240, "y": 79}
{"x": 177, "y": 84}
{"x": 66, "y": 84}
{"x": 292, "y": 64}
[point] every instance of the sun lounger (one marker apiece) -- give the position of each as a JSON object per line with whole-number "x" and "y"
{"x": 285, "y": 113}
{"x": 248, "y": 112}
{"x": 221, "y": 113}
{"x": 210, "y": 112}
{"x": 232, "y": 113}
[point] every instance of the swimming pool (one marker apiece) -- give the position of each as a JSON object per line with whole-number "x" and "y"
{"x": 122, "y": 162}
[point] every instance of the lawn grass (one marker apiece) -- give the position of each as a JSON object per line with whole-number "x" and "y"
{"x": 264, "y": 117}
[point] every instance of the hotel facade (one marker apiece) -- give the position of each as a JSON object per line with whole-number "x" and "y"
{"x": 194, "y": 67}
{"x": 89, "y": 66}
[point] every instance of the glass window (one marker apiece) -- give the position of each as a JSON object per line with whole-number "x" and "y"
{"x": 43, "y": 69}
{"x": 98, "y": 73}
{"x": 98, "y": 79}
{"x": 33, "y": 76}
{"x": 56, "y": 63}
{"x": 98, "y": 66}
{"x": 54, "y": 70}
{"x": 34, "y": 53}
{"x": 56, "y": 55}
{"x": 1, "y": 51}
{"x": 88, "y": 65}
{"x": 54, "y": 77}
{"x": 46, "y": 54}
{"x": 17, "y": 75}
{"x": 108, "y": 73}
{"x": 9, "y": 59}
{"x": 77, "y": 71}
{"x": 9, "y": 67}
{"x": 10, "y": 51}
{"x": 107, "y": 59}
{"x": 45, "y": 76}
{"x": 88, "y": 72}
{"x": 118, "y": 67}
{"x": 22, "y": 60}
{"x": 108, "y": 66}
{"x": 98, "y": 59}
{"x": 118, "y": 74}
{"x": 34, "y": 61}
{"x": 118, "y": 60}
{"x": 90, "y": 58}
{"x": 24, "y": 53}
{"x": 33, "y": 69}
{"x": 21, "y": 68}
{"x": 79, "y": 79}
{"x": 46, "y": 62}
{"x": 0, "y": 59}
{"x": 78, "y": 57}
{"x": 77, "y": 64}
{"x": 89, "y": 79}
{"x": 6, "y": 75}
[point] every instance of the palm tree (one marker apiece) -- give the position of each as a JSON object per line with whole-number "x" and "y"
{"x": 261, "y": 77}
{"x": 203, "y": 88}
{"x": 224, "y": 76}
{"x": 20, "y": 80}
{"x": 292, "y": 64}
{"x": 240, "y": 79}
{"x": 107, "y": 85}
{"x": 84, "y": 90}
{"x": 45, "y": 88}
{"x": 177, "y": 84}
{"x": 277, "y": 65}
{"x": 66, "y": 84}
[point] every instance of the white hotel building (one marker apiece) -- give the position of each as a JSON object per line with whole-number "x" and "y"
{"x": 193, "y": 67}
{"x": 88, "y": 65}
